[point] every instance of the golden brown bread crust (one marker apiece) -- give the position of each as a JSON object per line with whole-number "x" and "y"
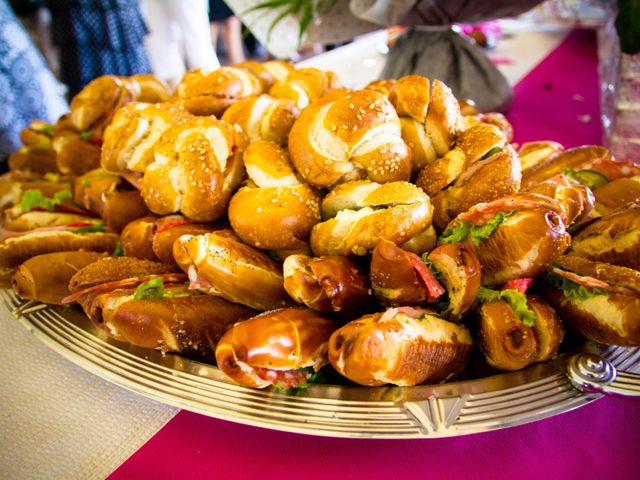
{"x": 189, "y": 325}
{"x": 123, "y": 207}
{"x": 612, "y": 319}
{"x": 381, "y": 86}
{"x": 131, "y": 136}
{"x": 219, "y": 264}
{"x": 37, "y": 134}
{"x": 15, "y": 250}
{"x": 472, "y": 145}
{"x": 547, "y": 329}
{"x": 46, "y": 277}
{"x": 34, "y": 160}
{"x": 305, "y": 85}
{"x": 484, "y": 181}
{"x": 573, "y": 159}
{"x": 198, "y": 166}
{"x": 263, "y": 117}
{"x": 275, "y": 211}
{"x": 327, "y": 284}
{"x": 398, "y": 348}
{"x": 111, "y": 269}
{"x": 268, "y": 73}
{"x": 533, "y": 154}
{"x": 430, "y": 117}
{"x": 164, "y": 238}
{"x": 17, "y": 221}
{"x": 96, "y": 103}
{"x": 366, "y": 213}
{"x": 150, "y": 89}
{"x": 211, "y": 93}
{"x": 577, "y": 202}
{"x": 505, "y": 341}
{"x": 617, "y": 194}
{"x": 460, "y": 274}
{"x": 91, "y": 189}
{"x": 353, "y": 136}
{"x": 137, "y": 237}
{"x": 614, "y": 238}
{"x": 285, "y": 339}
{"x": 74, "y": 155}
{"x": 613, "y": 274}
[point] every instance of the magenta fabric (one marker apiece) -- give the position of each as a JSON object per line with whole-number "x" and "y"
{"x": 600, "y": 440}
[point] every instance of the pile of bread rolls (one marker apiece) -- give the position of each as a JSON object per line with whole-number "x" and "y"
{"x": 269, "y": 220}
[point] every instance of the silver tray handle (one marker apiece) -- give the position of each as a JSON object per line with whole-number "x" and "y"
{"x": 591, "y": 373}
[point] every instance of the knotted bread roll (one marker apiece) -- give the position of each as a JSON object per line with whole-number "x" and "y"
{"x": 131, "y": 136}
{"x": 429, "y": 116}
{"x": 210, "y": 93}
{"x": 150, "y": 88}
{"x": 305, "y": 86}
{"x": 263, "y": 117}
{"x": 359, "y": 214}
{"x": 268, "y": 73}
{"x": 197, "y": 167}
{"x": 352, "y": 136}
{"x": 275, "y": 211}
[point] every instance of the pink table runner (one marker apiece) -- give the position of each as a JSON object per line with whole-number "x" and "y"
{"x": 557, "y": 101}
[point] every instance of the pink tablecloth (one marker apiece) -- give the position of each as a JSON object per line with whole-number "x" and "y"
{"x": 557, "y": 101}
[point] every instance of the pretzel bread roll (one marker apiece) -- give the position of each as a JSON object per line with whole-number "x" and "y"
{"x": 496, "y": 119}
{"x": 573, "y": 158}
{"x": 472, "y": 145}
{"x": 400, "y": 278}
{"x": 32, "y": 159}
{"x": 96, "y": 103}
{"x": 362, "y": 213}
{"x": 17, "y": 221}
{"x": 273, "y": 347}
{"x": 269, "y": 72}
{"x": 601, "y": 301}
{"x": 46, "y": 277}
{"x": 484, "y": 181}
{"x": 529, "y": 236}
{"x": 37, "y": 135}
{"x": 384, "y": 86}
{"x": 506, "y": 342}
{"x": 149, "y": 88}
{"x": 218, "y": 264}
{"x": 212, "y": 92}
{"x": 402, "y": 346}
{"x": 190, "y": 325}
{"x": 197, "y": 167}
{"x": 617, "y": 194}
{"x": 429, "y": 115}
{"x": 577, "y": 201}
{"x": 353, "y": 136}
{"x": 263, "y": 117}
{"x": 136, "y": 238}
{"x": 74, "y": 155}
{"x": 305, "y": 85}
{"x": 547, "y": 329}
{"x": 533, "y": 154}
{"x": 276, "y": 211}
{"x": 421, "y": 242}
{"x": 113, "y": 269}
{"x": 459, "y": 272}
{"x": 327, "y": 284}
{"x": 614, "y": 238}
{"x": 130, "y": 138}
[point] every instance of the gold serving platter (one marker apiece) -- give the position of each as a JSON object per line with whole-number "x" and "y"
{"x": 425, "y": 411}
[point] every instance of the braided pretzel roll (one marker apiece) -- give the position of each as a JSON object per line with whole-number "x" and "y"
{"x": 197, "y": 167}
{"x": 263, "y": 117}
{"x": 429, "y": 116}
{"x": 131, "y": 136}
{"x": 353, "y": 136}
{"x": 275, "y": 211}
{"x": 219, "y": 264}
{"x": 149, "y": 88}
{"x": 268, "y": 73}
{"x": 359, "y": 214}
{"x": 211, "y": 93}
{"x": 305, "y": 86}
{"x": 381, "y": 86}
{"x": 472, "y": 145}
{"x": 484, "y": 181}
{"x": 402, "y": 346}
{"x": 98, "y": 101}
{"x": 327, "y": 284}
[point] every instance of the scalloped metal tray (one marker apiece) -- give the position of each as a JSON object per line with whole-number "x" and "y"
{"x": 426, "y": 411}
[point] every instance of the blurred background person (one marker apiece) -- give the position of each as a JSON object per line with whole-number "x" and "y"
{"x": 179, "y": 37}
{"x": 224, "y": 23}
{"x": 28, "y": 89}
{"x": 97, "y": 37}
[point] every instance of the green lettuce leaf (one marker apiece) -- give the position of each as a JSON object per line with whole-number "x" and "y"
{"x": 572, "y": 289}
{"x": 457, "y": 233}
{"x": 33, "y": 198}
{"x": 153, "y": 288}
{"x": 99, "y": 228}
{"x": 515, "y": 299}
{"x": 478, "y": 234}
{"x": 118, "y": 251}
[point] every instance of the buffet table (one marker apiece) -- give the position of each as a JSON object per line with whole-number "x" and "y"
{"x": 59, "y": 421}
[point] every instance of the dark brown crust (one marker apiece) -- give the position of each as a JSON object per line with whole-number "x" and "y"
{"x": 16, "y": 250}
{"x": 615, "y": 275}
{"x": 547, "y": 328}
{"x": 137, "y": 238}
{"x": 617, "y": 194}
{"x": 116, "y": 268}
